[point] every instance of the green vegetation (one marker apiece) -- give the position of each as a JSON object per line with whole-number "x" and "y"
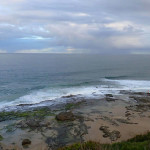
{"x": 140, "y": 142}
{"x": 1, "y": 138}
{"x": 140, "y": 138}
{"x": 85, "y": 146}
{"x": 72, "y": 105}
{"x": 41, "y": 112}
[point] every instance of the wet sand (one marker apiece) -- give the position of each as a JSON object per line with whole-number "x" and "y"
{"x": 105, "y": 120}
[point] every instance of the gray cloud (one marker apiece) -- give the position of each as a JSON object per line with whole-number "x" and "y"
{"x": 97, "y": 26}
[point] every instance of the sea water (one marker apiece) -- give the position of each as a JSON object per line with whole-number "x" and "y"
{"x": 34, "y": 78}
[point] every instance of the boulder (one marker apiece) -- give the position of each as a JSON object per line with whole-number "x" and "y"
{"x": 26, "y": 142}
{"x": 65, "y": 116}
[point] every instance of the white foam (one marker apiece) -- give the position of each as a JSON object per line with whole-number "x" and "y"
{"x": 55, "y": 94}
{"x": 134, "y": 85}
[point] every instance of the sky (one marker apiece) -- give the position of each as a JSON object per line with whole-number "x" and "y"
{"x": 75, "y": 26}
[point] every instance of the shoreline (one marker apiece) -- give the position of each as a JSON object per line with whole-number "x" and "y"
{"x": 105, "y": 120}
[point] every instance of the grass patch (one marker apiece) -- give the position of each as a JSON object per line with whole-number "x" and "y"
{"x": 90, "y": 145}
{"x": 128, "y": 146}
{"x": 41, "y": 112}
{"x": 140, "y": 138}
{"x": 139, "y": 142}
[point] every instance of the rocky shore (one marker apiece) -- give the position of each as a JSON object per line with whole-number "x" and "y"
{"x": 106, "y": 120}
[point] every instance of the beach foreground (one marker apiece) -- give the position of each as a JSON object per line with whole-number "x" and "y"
{"x": 112, "y": 119}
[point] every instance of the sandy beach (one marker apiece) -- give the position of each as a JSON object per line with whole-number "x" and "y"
{"x": 111, "y": 119}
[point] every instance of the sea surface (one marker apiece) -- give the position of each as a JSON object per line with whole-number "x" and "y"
{"x": 34, "y": 78}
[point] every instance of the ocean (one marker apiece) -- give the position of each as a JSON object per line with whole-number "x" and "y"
{"x": 34, "y": 78}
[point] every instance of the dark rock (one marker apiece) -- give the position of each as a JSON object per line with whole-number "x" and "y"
{"x": 1, "y": 147}
{"x": 21, "y": 124}
{"x": 26, "y": 142}
{"x": 103, "y": 128}
{"x": 141, "y": 99}
{"x": 105, "y": 118}
{"x": 105, "y": 131}
{"x": 22, "y": 105}
{"x": 65, "y": 116}
{"x": 139, "y": 93}
{"x": 133, "y": 93}
{"x": 68, "y": 96}
{"x": 139, "y": 108}
{"x": 106, "y": 135}
{"x": 110, "y": 99}
{"x": 125, "y": 121}
{"x": 114, "y": 135}
{"x": 33, "y": 123}
{"x": 108, "y": 95}
{"x": 125, "y": 92}
{"x": 44, "y": 124}
{"x": 67, "y": 133}
{"x": 127, "y": 114}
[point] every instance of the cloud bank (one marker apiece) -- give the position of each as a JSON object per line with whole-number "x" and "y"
{"x": 97, "y": 26}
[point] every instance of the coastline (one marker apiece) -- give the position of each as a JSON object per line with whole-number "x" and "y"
{"x": 105, "y": 120}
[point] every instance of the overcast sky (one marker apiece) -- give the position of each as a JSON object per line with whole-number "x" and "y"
{"x": 75, "y": 26}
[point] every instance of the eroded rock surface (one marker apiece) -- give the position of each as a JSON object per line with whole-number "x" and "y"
{"x": 65, "y": 116}
{"x": 113, "y": 135}
{"x": 32, "y": 123}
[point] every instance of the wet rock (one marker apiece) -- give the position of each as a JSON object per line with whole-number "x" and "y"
{"x": 103, "y": 128}
{"x": 68, "y": 96}
{"x": 1, "y": 147}
{"x": 127, "y": 114}
{"x": 22, "y": 105}
{"x": 26, "y": 142}
{"x": 133, "y": 93}
{"x": 108, "y": 95}
{"x": 32, "y": 123}
{"x": 67, "y": 133}
{"x": 52, "y": 143}
{"x": 21, "y": 124}
{"x": 109, "y": 99}
{"x": 2, "y": 119}
{"x": 114, "y": 135}
{"x": 139, "y": 108}
{"x": 139, "y": 93}
{"x": 141, "y": 99}
{"x": 65, "y": 116}
{"x": 105, "y": 131}
{"x": 125, "y": 92}
{"x": 125, "y": 121}
{"x": 44, "y": 124}
{"x": 105, "y": 118}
